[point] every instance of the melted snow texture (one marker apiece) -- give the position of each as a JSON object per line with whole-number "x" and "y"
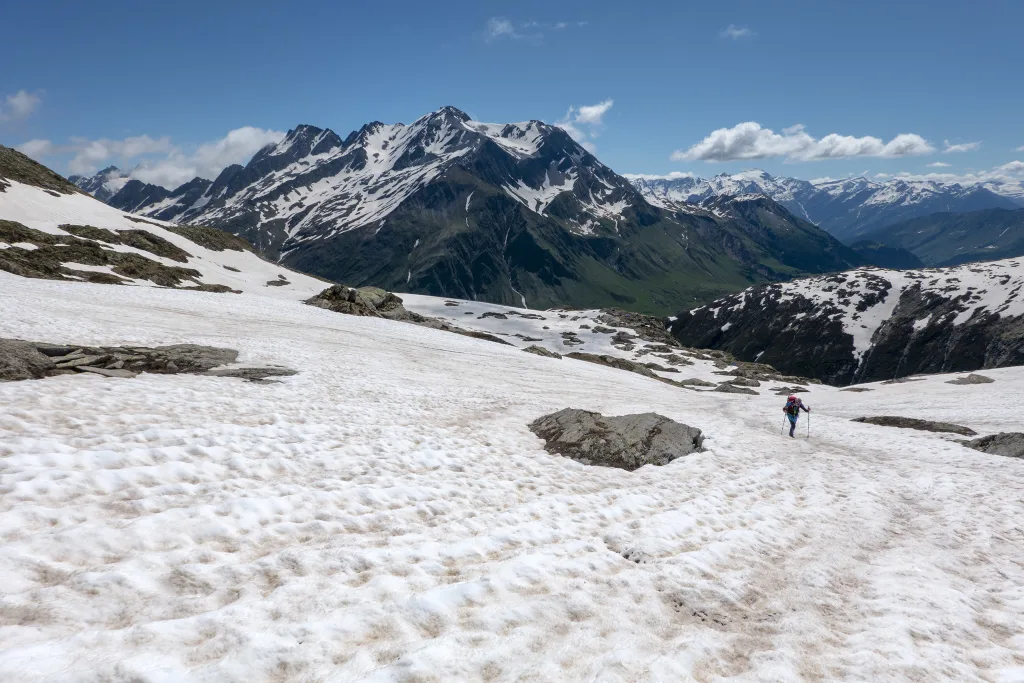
{"x": 387, "y": 516}
{"x": 35, "y": 208}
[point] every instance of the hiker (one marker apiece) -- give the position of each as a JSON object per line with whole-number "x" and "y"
{"x": 792, "y": 410}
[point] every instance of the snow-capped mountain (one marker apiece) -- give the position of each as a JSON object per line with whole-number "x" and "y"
{"x": 104, "y": 184}
{"x": 314, "y": 182}
{"x": 501, "y": 212}
{"x": 870, "y": 324}
{"x": 847, "y": 208}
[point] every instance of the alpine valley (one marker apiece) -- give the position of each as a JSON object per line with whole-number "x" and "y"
{"x": 514, "y": 213}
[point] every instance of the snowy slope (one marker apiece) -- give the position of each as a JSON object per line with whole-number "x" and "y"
{"x": 385, "y": 515}
{"x": 39, "y": 209}
{"x": 872, "y": 323}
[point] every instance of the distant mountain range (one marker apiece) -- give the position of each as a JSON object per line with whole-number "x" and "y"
{"x": 849, "y": 209}
{"x": 514, "y": 213}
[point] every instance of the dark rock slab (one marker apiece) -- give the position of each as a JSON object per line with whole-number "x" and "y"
{"x": 971, "y": 379}
{"x": 253, "y": 374}
{"x": 613, "y": 362}
{"x": 1010, "y": 444}
{"x": 914, "y": 423}
{"x": 727, "y": 388}
{"x": 22, "y": 360}
{"x": 694, "y": 382}
{"x": 627, "y": 442}
{"x": 541, "y": 351}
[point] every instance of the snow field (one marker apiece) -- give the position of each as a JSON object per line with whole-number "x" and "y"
{"x": 386, "y": 516}
{"x": 35, "y": 208}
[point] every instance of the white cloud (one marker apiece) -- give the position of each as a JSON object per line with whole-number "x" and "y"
{"x": 1010, "y": 173}
{"x": 20, "y": 105}
{"x": 962, "y": 147}
{"x": 881, "y": 176}
{"x": 736, "y": 32}
{"x": 1021, "y": 148}
{"x": 37, "y": 149}
{"x": 90, "y": 154}
{"x": 499, "y": 28}
{"x": 209, "y": 159}
{"x": 157, "y": 160}
{"x": 750, "y": 141}
{"x": 939, "y": 164}
{"x": 584, "y": 123}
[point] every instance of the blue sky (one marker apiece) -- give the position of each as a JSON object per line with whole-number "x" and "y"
{"x": 87, "y": 84}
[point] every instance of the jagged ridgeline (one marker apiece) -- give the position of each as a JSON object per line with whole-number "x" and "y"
{"x": 508, "y": 213}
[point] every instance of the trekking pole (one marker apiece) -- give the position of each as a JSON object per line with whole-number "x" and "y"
{"x": 784, "y": 424}
{"x": 808, "y": 424}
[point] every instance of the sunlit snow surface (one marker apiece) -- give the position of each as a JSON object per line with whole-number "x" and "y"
{"x": 386, "y": 516}
{"x": 40, "y": 210}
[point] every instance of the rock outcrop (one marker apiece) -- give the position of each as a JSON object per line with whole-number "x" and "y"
{"x": 627, "y": 442}
{"x": 971, "y": 379}
{"x": 1010, "y": 444}
{"x": 21, "y": 360}
{"x": 914, "y": 423}
{"x": 541, "y": 351}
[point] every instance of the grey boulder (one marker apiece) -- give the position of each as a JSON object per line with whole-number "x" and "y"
{"x": 21, "y": 360}
{"x": 627, "y": 442}
{"x": 541, "y": 351}
{"x": 914, "y": 423}
{"x": 1010, "y": 444}
{"x": 971, "y": 379}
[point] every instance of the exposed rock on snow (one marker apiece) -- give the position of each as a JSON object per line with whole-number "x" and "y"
{"x": 1010, "y": 444}
{"x": 728, "y": 388}
{"x": 914, "y": 423}
{"x": 541, "y": 351}
{"x": 971, "y": 379}
{"x": 613, "y": 362}
{"x": 21, "y": 360}
{"x": 376, "y": 302}
{"x": 371, "y": 301}
{"x": 627, "y": 442}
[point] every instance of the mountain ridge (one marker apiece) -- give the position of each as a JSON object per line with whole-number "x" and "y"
{"x": 505, "y": 212}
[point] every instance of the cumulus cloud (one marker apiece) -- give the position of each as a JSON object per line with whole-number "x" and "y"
{"x": 584, "y": 123}
{"x": 20, "y": 105}
{"x": 37, "y": 149}
{"x": 502, "y": 28}
{"x": 939, "y": 164}
{"x": 961, "y": 147}
{"x": 749, "y": 140}
{"x": 1009, "y": 173}
{"x": 734, "y": 32}
{"x": 209, "y": 159}
{"x": 157, "y": 160}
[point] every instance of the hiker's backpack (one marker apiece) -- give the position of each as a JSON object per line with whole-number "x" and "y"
{"x": 792, "y": 406}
